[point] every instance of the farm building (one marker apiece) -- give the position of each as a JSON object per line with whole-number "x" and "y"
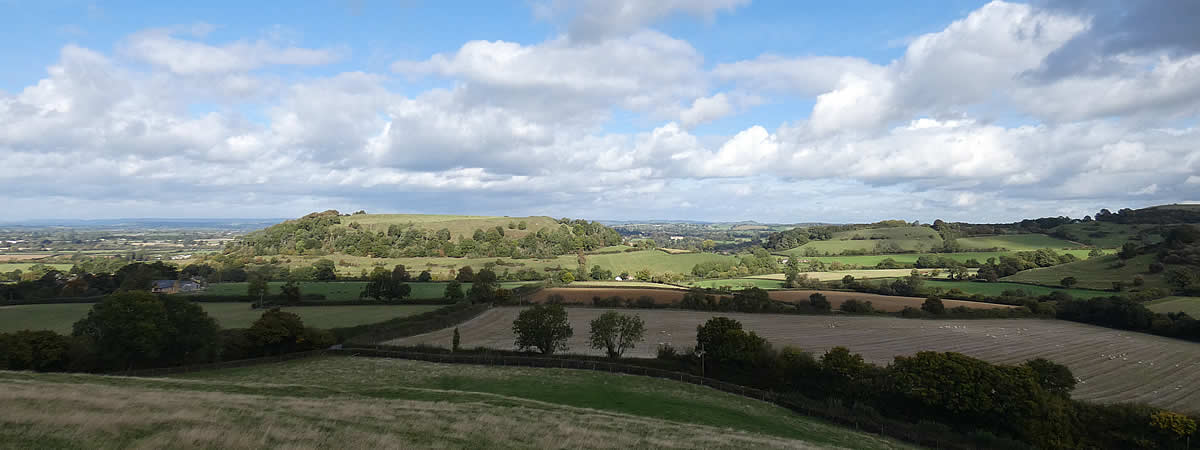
{"x": 175, "y": 286}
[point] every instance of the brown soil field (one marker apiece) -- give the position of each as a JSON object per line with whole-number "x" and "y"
{"x": 667, "y": 296}
{"x": 1112, "y": 365}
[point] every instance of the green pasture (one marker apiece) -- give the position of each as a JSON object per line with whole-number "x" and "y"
{"x": 1189, "y": 305}
{"x": 1095, "y": 273}
{"x": 998, "y": 288}
{"x": 336, "y": 291}
{"x": 60, "y": 317}
{"x": 1016, "y": 242}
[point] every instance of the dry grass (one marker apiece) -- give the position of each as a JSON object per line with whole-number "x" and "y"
{"x": 1113, "y": 366}
{"x": 97, "y": 412}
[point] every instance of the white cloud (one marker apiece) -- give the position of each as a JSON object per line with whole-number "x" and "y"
{"x": 596, "y": 19}
{"x": 706, "y": 109}
{"x": 161, "y": 47}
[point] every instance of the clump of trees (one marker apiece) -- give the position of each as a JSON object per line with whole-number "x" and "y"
{"x": 391, "y": 285}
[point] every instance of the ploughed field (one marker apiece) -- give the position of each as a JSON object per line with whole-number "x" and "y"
{"x": 669, "y": 295}
{"x": 1112, "y": 365}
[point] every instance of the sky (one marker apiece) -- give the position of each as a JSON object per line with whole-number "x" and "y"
{"x": 718, "y": 110}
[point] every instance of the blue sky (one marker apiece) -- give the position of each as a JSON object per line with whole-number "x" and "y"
{"x": 709, "y": 110}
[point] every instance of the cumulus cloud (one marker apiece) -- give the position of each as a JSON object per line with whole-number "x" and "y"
{"x": 960, "y": 126}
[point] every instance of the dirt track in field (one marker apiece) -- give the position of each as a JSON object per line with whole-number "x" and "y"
{"x": 1113, "y": 365}
{"x": 668, "y": 296}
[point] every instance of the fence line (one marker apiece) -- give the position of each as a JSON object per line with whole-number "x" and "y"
{"x": 899, "y": 431}
{"x": 219, "y": 365}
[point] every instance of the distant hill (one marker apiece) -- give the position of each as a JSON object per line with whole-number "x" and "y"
{"x": 420, "y": 235}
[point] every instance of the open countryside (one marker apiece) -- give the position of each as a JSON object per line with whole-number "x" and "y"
{"x": 596, "y": 224}
{"x": 1113, "y": 366}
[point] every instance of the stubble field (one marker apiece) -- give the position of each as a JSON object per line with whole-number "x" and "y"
{"x": 1112, "y": 365}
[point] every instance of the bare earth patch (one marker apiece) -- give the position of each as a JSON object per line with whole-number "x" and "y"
{"x": 1113, "y": 365}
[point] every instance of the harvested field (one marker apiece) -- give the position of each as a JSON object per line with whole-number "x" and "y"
{"x": 1113, "y": 365}
{"x": 667, "y": 296}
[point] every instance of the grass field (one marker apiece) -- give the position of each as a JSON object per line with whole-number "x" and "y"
{"x": 623, "y": 284}
{"x": 995, "y": 289}
{"x": 1095, "y": 273}
{"x": 228, "y": 315}
{"x": 1189, "y": 305}
{"x": 1016, "y": 242}
{"x": 909, "y": 258}
{"x": 360, "y": 403}
{"x": 1113, "y": 365}
{"x": 654, "y": 260}
{"x": 346, "y": 290}
{"x": 905, "y": 238}
{"x": 629, "y": 396}
{"x": 24, "y": 267}
{"x": 459, "y": 226}
{"x": 738, "y": 283}
{"x": 1108, "y": 234}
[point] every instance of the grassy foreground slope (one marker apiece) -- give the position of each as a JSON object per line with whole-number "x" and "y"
{"x": 59, "y": 411}
{"x": 60, "y": 317}
{"x": 650, "y": 399}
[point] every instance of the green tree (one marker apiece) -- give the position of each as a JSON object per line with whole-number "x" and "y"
{"x": 424, "y": 277}
{"x": 1177, "y": 425}
{"x": 484, "y": 288}
{"x": 722, "y": 339}
{"x": 543, "y": 327}
{"x": 400, "y": 274}
{"x": 277, "y": 332}
{"x": 598, "y": 273}
{"x": 819, "y": 302}
{"x": 566, "y": 277}
{"x": 615, "y": 332}
{"x": 454, "y": 290}
{"x": 1054, "y": 378}
{"x": 257, "y": 287}
{"x": 791, "y": 272}
{"x": 522, "y": 225}
{"x": 137, "y": 328}
{"x": 1068, "y": 282}
{"x": 291, "y": 292}
{"x": 934, "y": 305}
{"x": 644, "y": 275}
{"x": 326, "y": 270}
{"x": 465, "y": 275}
